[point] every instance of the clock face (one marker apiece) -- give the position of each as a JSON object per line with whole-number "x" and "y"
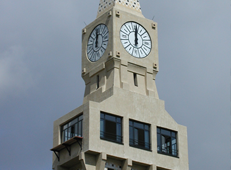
{"x": 135, "y": 39}
{"x": 97, "y": 42}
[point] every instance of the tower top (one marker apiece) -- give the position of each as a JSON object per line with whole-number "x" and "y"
{"x": 133, "y": 5}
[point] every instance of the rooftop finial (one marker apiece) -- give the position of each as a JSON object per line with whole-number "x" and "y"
{"x": 104, "y": 5}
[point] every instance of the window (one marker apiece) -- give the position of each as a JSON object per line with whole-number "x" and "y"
{"x": 167, "y": 142}
{"x": 111, "y": 127}
{"x": 72, "y": 128}
{"x": 135, "y": 79}
{"x": 139, "y": 134}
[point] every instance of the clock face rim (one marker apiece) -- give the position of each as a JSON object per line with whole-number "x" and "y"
{"x": 103, "y": 45}
{"x": 138, "y": 35}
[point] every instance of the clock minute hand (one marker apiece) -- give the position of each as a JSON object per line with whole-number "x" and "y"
{"x": 96, "y": 41}
{"x": 136, "y": 39}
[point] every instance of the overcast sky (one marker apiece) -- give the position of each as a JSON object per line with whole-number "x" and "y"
{"x": 40, "y": 74}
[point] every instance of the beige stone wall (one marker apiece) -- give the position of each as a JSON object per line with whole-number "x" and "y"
{"x": 128, "y": 105}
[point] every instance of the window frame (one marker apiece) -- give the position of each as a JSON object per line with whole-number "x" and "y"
{"x": 136, "y": 143}
{"x": 67, "y": 128}
{"x": 172, "y": 149}
{"x": 119, "y": 127}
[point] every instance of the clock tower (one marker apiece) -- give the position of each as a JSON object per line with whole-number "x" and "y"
{"x": 120, "y": 49}
{"x": 122, "y": 124}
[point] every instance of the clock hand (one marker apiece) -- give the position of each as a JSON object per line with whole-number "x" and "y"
{"x": 96, "y": 41}
{"x": 136, "y": 39}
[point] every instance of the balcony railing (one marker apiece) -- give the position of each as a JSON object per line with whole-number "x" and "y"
{"x": 167, "y": 151}
{"x": 111, "y": 137}
{"x": 140, "y": 144}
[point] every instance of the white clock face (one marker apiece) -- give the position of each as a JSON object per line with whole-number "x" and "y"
{"x": 135, "y": 39}
{"x": 97, "y": 43}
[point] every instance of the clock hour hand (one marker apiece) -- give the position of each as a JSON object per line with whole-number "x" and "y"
{"x": 136, "y": 38}
{"x": 96, "y": 41}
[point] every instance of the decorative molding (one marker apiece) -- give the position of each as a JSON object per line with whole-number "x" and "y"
{"x": 104, "y": 5}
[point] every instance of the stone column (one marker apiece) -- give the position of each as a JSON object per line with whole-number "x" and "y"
{"x": 82, "y": 160}
{"x": 101, "y": 161}
{"x": 127, "y": 164}
{"x": 152, "y": 167}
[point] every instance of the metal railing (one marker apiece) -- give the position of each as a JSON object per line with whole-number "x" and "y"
{"x": 140, "y": 144}
{"x": 111, "y": 137}
{"x": 167, "y": 151}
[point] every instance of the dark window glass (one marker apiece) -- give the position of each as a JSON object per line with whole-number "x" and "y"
{"x": 135, "y": 79}
{"x": 110, "y": 118}
{"x": 118, "y": 132}
{"x": 146, "y": 127}
{"x": 166, "y": 142}
{"x": 131, "y": 134}
{"x": 102, "y": 116}
{"x": 111, "y": 127}
{"x": 139, "y": 134}
{"x": 166, "y": 132}
{"x": 173, "y": 134}
{"x": 72, "y": 128}
{"x": 118, "y": 120}
{"x": 158, "y": 130}
{"x": 146, "y": 139}
{"x": 130, "y": 123}
{"x": 138, "y": 125}
{"x": 158, "y": 142}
